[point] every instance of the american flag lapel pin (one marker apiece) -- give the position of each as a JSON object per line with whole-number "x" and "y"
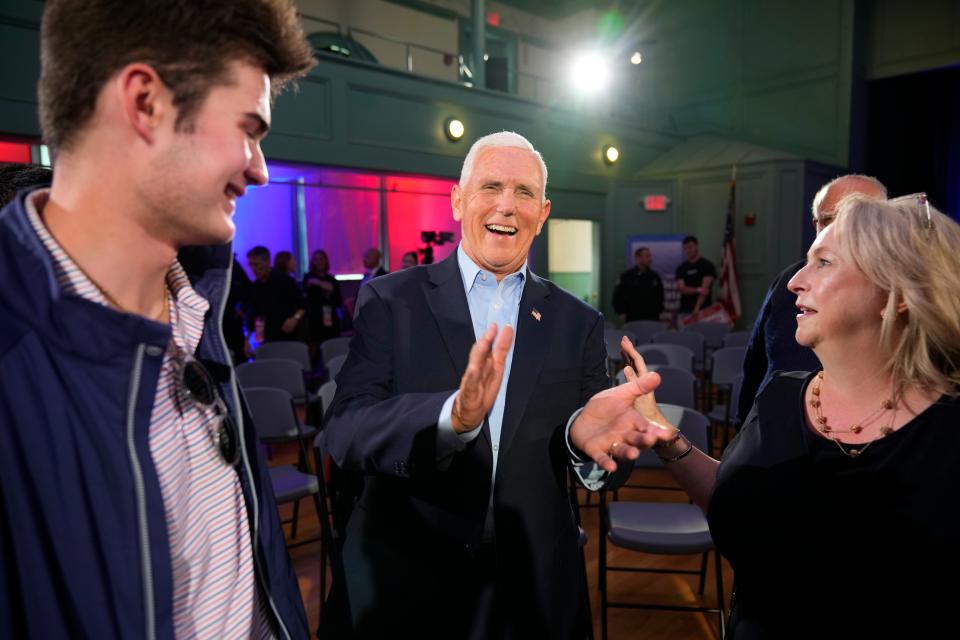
{"x": 536, "y": 315}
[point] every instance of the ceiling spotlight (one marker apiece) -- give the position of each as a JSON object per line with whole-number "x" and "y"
{"x": 454, "y": 129}
{"x": 636, "y": 58}
{"x": 611, "y": 154}
{"x": 590, "y": 72}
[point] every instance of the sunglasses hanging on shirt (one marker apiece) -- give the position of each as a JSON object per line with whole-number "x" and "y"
{"x": 202, "y": 389}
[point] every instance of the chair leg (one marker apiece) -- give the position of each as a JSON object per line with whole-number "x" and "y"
{"x": 703, "y": 572}
{"x": 602, "y": 567}
{"x": 719, "y": 569}
{"x": 324, "y": 551}
{"x": 296, "y": 515}
{"x": 586, "y": 594}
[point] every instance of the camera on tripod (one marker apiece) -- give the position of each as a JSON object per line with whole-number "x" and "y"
{"x": 431, "y": 238}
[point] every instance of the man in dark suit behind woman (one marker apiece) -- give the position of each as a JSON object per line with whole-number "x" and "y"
{"x": 464, "y": 528}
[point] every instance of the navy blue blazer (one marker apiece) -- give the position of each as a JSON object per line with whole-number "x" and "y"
{"x": 418, "y": 522}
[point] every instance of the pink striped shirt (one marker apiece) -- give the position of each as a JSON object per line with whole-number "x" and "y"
{"x": 214, "y": 590}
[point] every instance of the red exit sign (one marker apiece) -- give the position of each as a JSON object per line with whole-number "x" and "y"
{"x": 656, "y": 203}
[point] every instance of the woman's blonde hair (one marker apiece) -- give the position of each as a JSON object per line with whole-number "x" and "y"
{"x": 915, "y": 260}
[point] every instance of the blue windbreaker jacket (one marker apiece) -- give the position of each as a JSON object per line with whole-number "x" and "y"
{"x": 83, "y": 536}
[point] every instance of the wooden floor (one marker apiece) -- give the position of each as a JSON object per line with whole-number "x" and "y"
{"x": 623, "y": 623}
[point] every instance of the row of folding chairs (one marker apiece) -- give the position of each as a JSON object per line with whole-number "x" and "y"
{"x": 701, "y": 345}
{"x": 274, "y": 413}
{"x": 716, "y": 334}
{"x": 333, "y": 352}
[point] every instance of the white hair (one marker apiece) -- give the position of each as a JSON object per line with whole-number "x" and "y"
{"x": 501, "y": 139}
{"x": 822, "y": 193}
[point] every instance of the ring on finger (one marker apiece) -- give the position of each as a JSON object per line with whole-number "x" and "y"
{"x": 613, "y": 448}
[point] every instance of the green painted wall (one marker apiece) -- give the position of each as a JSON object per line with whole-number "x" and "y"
{"x": 907, "y": 37}
{"x": 776, "y": 73}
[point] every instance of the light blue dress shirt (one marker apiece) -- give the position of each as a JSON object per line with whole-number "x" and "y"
{"x": 489, "y": 301}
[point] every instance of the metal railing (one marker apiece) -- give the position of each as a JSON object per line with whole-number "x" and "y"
{"x": 543, "y": 89}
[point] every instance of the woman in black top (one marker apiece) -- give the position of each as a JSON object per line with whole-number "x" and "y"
{"x": 323, "y": 299}
{"x": 835, "y": 504}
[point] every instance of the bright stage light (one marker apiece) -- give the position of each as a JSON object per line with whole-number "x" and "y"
{"x": 590, "y": 72}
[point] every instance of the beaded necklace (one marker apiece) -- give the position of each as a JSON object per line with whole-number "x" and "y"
{"x": 823, "y": 425}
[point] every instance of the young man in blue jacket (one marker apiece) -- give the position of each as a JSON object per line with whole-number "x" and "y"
{"x": 133, "y": 501}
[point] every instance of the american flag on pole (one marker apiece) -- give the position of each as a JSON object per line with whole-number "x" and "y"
{"x": 729, "y": 282}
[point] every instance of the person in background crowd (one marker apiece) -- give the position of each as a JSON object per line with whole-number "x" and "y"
{"x": 371, "y": 262}
{"x": 410, "y": 259}
{"x": 695, "y": 277}
{"x": 639, "y": 291}
{"x": 773, "y": 345}
{"x": 323, "y": 299}
{"x": 134, "y": 499}
{"x": 284, "y": 262}
{"x": 275, "y": 297}
{"x": 836, "y": 484}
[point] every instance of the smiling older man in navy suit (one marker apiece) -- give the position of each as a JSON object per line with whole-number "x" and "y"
{"x": 464, "y": 528}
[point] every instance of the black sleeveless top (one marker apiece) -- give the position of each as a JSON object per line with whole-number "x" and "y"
{"x": 824, "y": 545}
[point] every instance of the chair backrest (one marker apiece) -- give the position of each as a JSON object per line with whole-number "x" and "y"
{"x": 327, "y": 391}
{"x": 712, "y": 332}
{"x": 737, "y": 339}
{"x": 694, "y": 425}
{"x": 334, "y": 365}
{"x": 286, "y": 350}
{"x": 689, "y": 339}
{"x": 272, "y": 412}
{"x": 674, "y": 355}
{"x": 727, "y": 364}
{"x": 612, "y": 337}
{"x": 334, "y": 347}
{"x": 677, "y": 386}
{"x": 273, "y": 374}
{"x": 645, "y": 329}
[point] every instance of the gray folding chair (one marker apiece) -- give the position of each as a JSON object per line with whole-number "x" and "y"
{"x": 331, "y": 535}
{"x": 689, "y": 339}
{"x": 334, "y": 366}
{"x": 275, "y": 420}
{"x": 677, "y": 386}
{"x": 712, "y": 332}
{"x": 326, "y": 392}
{"x": 286, "y": 350}
{"x": 736, "y": 339}
{"x": 727, "y": 365}
{"x": 644, "y": 329}
{"x": 332, "y": 348}
{"x": 674, "y": 355}
{"x": 276, "y": 374}
{"x": 725, "y": 414}
{"x": 660, "y": 528}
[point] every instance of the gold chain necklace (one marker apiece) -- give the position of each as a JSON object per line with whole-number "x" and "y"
{"x": 823, "y": 425}
{"x": 163, "y": 316}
